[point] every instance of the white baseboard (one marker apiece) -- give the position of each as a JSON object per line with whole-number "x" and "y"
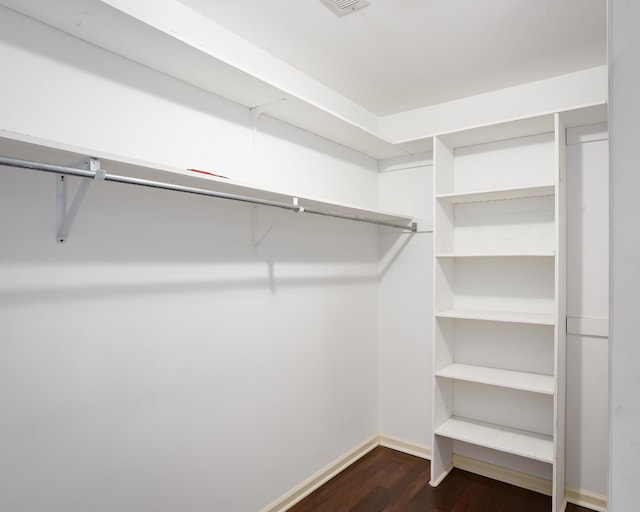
{"x": 508, "y": 476}
{"x": 324, "y": 475}
{"x": 587, "y": 499}
{"x": 395, "y": 443}
{"x": 579, "y": 497}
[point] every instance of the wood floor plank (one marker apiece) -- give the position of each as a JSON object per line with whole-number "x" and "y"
{"x": 386, "y": 480}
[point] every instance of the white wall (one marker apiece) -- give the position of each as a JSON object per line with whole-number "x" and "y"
{"x": 406, "y": 305}
{"x": 624, "y": 112}
{"x": 155, "y": 361}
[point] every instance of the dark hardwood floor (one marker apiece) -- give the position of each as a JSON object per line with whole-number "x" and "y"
{"x": 386, "y": 480}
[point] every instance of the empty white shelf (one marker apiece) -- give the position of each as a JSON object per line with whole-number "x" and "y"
{"x": 497, "y": 195}
{"x": 532, "y": 254}
{"x": 518, "y": 442}
{"x": 532, "y": 382}
{"x": 499, "y": 316}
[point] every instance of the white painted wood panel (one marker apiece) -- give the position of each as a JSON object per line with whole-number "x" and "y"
{"x": 512, "y": 163}
{"x": 518, "y": 442}
{"x": 496, "y": 254}
{"x": 511, "y": 408}
{"x": 588, "y": 238}
{"x": 598, "y": 327}
{"x": 525, "y": 284}
{"x": 524, "y": 225}
{"x": 588, "y": 308}
{"x": 511, "y": 346}
{"x": 587, "y": 133}
{"x": 497, "y": 194}
{"x": 499, "y": 316}
{"x": 560, "y": 334}
{"x": 533, "y": 382}
{"x": 404, "y": 189}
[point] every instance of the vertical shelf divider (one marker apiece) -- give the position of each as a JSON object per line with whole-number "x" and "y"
{"x": 442, "y": 453}
{"x": 560, "y": 334}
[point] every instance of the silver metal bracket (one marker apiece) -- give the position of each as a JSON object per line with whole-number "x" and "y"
{"x": 255, "y": 114}
{"x": 258, "y": 234}
{"x": 66, "y": 218}
{"x": 300, "y": 208}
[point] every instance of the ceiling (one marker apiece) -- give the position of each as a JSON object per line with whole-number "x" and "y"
{"x": 394, "y": 56}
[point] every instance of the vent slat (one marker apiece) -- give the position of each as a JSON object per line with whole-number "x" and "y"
{"x": 344, "y": 7}
{"x": 343, "y": 4}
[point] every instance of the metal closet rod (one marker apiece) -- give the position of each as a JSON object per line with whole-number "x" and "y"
{"x": 72, "y": 171}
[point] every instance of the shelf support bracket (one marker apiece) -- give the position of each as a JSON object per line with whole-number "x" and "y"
{"x": 256, "y": 237}
{"x": 66, "y": 218}
{"x": 255, "y": 218}
{"x": 255, "y": 114}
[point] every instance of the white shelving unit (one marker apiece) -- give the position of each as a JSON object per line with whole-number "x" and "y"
{"x": 499, "y": 294}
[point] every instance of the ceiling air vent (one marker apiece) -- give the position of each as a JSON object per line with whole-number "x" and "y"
{"x": 344, "y": 7}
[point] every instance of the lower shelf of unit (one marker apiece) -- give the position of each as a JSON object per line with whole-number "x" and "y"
{"x": 509, "y": 440}
{"x": 499, "y": 316}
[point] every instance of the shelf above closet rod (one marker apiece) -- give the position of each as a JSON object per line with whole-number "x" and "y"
{"x": 294, "y": 206}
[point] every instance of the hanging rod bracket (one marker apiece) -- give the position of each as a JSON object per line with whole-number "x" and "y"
{"x": 66, "y": 217}
{"x": 257, "y": 236}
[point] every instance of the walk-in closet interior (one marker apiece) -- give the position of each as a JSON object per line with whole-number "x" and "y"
{"x": 245, "y": 243}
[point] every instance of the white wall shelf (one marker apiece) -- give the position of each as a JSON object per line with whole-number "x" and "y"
{"x": 532, "y": 382}
{"x": 499, "y": 316}
{"x": 518, "y": 442}
{"x": 497, "y": 195}
{"x": 499, "y": 259}
{"x": 497, "y": 255}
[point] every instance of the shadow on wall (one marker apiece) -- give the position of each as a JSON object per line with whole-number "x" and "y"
{"x": 134, "y": 241}
{"x": 131, "y": 289}
{"x": 119, "y": 223}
